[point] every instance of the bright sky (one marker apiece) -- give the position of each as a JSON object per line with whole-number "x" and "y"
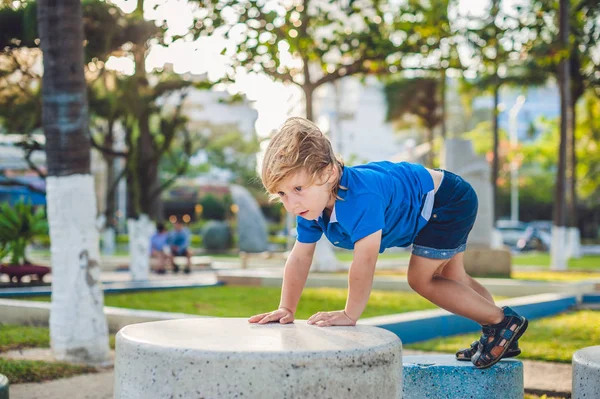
{"x": 273, "y": 101}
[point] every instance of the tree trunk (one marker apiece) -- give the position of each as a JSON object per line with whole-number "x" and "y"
{"x": 140, "y": 231}
{"x": 78, "y": 328}
{"x": 573, "y": 217}
{"x": 147, "y": 170}
{"x": 308, "y": 93}
{"x": 430, "y": 155}
{"x": 495, "y": 160}
{"x": 557, "y": 255}
{"x": 443, "y": 103}
{"x": 111, "y": 198}
{"x": 147, "y": 161}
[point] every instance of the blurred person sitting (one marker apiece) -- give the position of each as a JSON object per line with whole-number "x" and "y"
{"x": 179, "y": 242}
{"x": 159, "y": 248}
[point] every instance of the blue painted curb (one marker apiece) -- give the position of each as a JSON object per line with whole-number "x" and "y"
{"x": 591, "y": 298}
{"x": 108, "y": 288}
{"x": 444, "y": 325}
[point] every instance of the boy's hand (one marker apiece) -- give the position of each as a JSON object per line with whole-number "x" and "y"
{"x": 337, "y": 318}
{"x": 282, "y": 315}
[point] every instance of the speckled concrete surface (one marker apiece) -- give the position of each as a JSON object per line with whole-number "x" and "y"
{"x": 230, "y": 358}
{"x": 586, "y": 373}
{"x": 443, "y": 377}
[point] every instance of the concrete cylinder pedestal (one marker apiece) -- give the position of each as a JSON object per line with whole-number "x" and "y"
{"x": 231, "y": 358}
{"x": 586, "y": 373}
{"x": 443, "y": 377}
{"x": 3, "y": 387}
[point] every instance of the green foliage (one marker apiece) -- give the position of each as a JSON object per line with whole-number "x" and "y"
{"x": 311, "y": 44}
{"x": 217, "y": 236}
{"x": 418, "y": 97}
{"x": 151, "y": 129}
{"x": 540, "y": 157}
{"x": 214, "y": 208}
{"x": 415, "y": 99}
{"x": 19, "y": 26}
{"x": 197, "y": 226}
{"x": 196, "y": 240}
{"x": 541, "y": 19}
{"x": 18, "y": 226}
{"x": 281, "y": 240}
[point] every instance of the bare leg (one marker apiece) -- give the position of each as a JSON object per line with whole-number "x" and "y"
{"x": 455, "y": 270}
{"x": 424, "y": 276}
{"x": 188, "y": 255}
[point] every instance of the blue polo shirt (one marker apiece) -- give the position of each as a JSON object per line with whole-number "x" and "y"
{"x": 396, "y": 198}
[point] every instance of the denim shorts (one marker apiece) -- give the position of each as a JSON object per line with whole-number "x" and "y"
{"x": 452, "y": 218}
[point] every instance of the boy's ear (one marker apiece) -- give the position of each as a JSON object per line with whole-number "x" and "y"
{"x": 332, "y": 174}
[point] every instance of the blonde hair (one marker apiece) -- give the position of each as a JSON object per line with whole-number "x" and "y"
{"x": 298, "y": 145}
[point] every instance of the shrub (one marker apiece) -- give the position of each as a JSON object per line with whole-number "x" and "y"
{"x": 19, "y": 225}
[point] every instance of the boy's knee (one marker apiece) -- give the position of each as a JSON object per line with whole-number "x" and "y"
{"x": 456, "y": 274}
{"x": 416, "y": 282}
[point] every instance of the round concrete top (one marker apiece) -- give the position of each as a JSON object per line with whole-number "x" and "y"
{"x": 238, "y": 335}
{"x": 589, "y": 356}
{"x": 426, "y": 361}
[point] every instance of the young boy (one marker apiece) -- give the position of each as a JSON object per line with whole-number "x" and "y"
{"x": 369, "y": 208}
{"x": 158, "y": 248}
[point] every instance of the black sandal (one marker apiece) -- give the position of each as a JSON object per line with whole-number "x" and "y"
{"x": 502, "y": 335}
{"x": 467, "y": 353}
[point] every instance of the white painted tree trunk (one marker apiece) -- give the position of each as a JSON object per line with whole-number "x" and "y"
{"x": 78, "y": 328}
{"x": 558, "y": 253}
{"x": 140, "y": 231}
{"x": 108, "y": 241}
{"x": 574, "y": 243}
{"x": 324, "y": 259}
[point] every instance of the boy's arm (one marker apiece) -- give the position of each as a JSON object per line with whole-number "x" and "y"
{"x": 295, "y": 274}
{"x": 294, "y": 278}
{"x": 360, "y": 278}
{"x": 187, "y": 238}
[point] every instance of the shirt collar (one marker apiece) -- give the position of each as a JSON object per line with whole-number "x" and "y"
{"x": 332, "y": 218}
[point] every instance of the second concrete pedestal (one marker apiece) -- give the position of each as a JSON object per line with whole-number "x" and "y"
{"x": 443, "y": 377}
{"x": 230, "y": 358}
{"x": 586, "y": 373}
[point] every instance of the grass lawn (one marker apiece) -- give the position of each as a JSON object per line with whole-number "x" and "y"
{"x": 238, "y": 301}
{"x": 552, "y": 339}
{"x": 347, "y": 256}
{"x": 588, "y": 262}
{"x": 14, "y": 337}
{"x": 21, "y": 371}
{"x": 566, "y": 276}
{"x": 544, "y": 275}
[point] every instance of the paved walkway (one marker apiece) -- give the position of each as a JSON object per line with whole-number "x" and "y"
{"x": 540, "y": 377}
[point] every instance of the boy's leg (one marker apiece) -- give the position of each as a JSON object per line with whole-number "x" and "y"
{"x": 161, "y": 261}
{"x": 455, "y": 270}
{"x": 188, "y": 256}
{"x": 425, "y": 277}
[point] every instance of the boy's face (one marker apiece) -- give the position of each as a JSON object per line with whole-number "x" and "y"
{"x": 303, "y": 199}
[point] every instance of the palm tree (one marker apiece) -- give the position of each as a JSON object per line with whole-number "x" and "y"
{"x": 78, "y": 328}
